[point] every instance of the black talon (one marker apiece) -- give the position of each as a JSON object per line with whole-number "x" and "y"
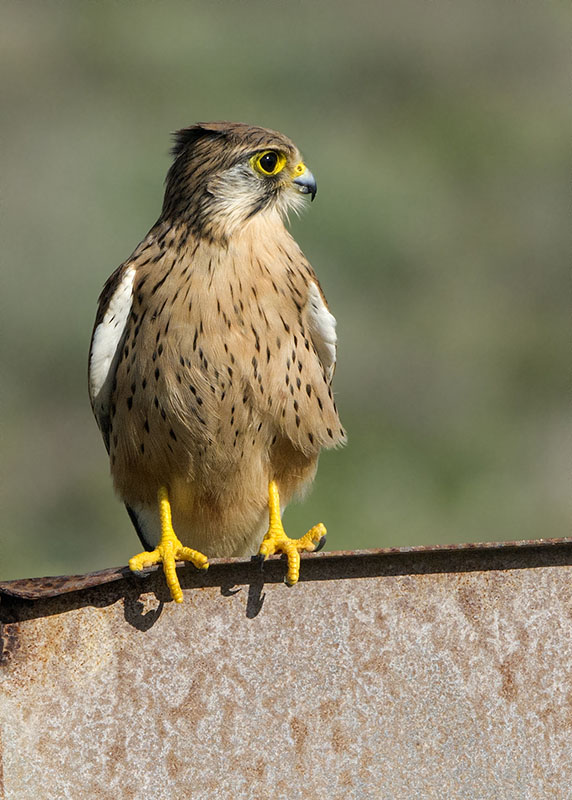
{"x": 259, "y": 559}
{"x": 320, "y": 544}
{"x": 141, "y": 574}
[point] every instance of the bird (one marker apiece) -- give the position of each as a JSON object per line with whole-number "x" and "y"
{"x": 212, "y": 357}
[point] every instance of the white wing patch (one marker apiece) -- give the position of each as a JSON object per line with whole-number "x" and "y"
{"x": 147, "y": 523}
{"x": 322, "y": 326}
{"x": 106, "y": 339}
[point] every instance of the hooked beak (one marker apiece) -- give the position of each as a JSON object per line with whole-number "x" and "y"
{"x": 306, "y": 183}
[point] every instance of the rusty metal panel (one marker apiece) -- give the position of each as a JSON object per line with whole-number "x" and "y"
{"x": 428, "y": 672}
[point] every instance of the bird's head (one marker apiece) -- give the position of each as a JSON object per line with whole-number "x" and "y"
{"x": 226, "y": 173}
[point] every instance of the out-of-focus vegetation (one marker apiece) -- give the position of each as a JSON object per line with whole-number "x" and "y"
{"x": 439, "y": 134}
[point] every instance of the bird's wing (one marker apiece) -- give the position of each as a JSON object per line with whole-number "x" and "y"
{"x": 322, "y": 327}
{"x": 106, "y": 342}
{"x": 300, "y": 389}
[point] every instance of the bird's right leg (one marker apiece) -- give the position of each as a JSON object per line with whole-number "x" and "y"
{"x": 277, "y": 541}
{"x": 168, "y": 551}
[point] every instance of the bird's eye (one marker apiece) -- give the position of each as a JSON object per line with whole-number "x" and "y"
{"x": 269, "y": 162}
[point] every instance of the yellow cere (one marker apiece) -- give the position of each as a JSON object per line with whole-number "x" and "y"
{"x": 268, "y": 162}
{"x": 299, "y": 169}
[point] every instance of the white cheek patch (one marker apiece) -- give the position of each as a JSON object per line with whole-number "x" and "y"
{"x": 107, "y": 335}
{"x": 322, "y": 326}
{"x": 231, "y": 193}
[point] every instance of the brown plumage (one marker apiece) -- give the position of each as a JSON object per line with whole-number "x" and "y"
{"x": 213, "y": 349}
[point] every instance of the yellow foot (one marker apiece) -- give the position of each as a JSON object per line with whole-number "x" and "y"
{"x": 168, "y": 551}
{"x": 276, "y": 540}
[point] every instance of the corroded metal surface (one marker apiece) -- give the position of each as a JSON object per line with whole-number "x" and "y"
{"x": 431, "y": 673}
{"x": 35, "y": 588}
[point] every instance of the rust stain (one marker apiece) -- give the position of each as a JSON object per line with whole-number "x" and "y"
{"x": 339, "y": 740}
{"x": 8, "y": 643}
{"x": 508, "y": 688}
{"x": 300, "y": 735}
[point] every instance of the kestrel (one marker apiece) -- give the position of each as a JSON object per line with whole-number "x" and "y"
{"x": 212, "y": 358}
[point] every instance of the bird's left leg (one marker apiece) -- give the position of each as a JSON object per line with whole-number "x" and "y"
{"x": 168, "y": 551}
{"x": 276, "y": 540}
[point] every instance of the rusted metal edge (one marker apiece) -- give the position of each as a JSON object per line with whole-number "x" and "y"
{"x": 326, "y": 565}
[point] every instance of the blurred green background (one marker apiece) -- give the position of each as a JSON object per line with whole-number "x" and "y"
{"x": 439, "y": 134}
